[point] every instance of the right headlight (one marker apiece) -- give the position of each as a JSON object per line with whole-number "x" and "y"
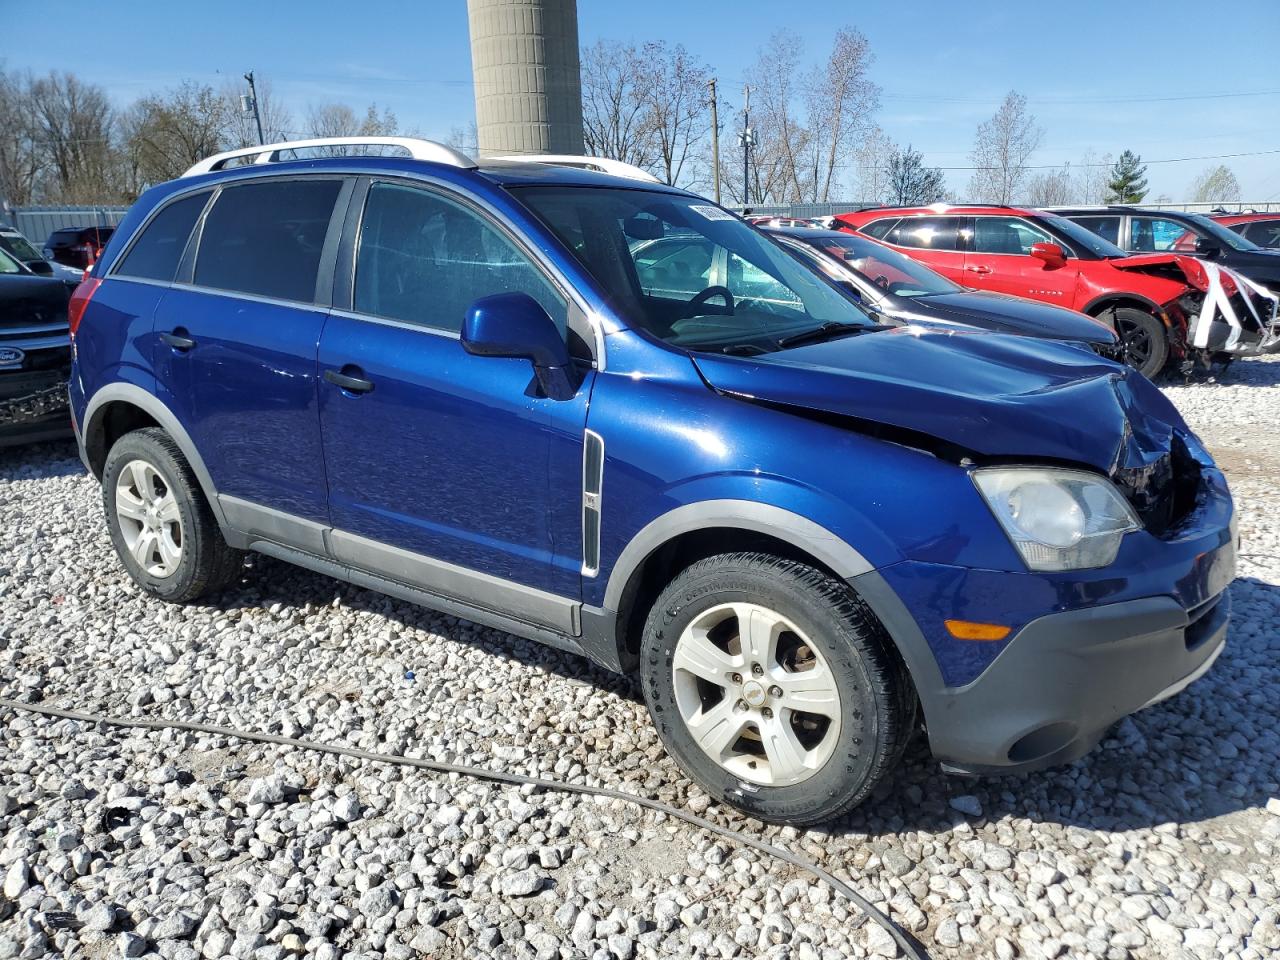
{"x": 1057, "y": 519}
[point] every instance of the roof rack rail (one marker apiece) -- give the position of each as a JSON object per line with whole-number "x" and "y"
{"x": 602, "y": 164}
{"x": 417, "y": 148}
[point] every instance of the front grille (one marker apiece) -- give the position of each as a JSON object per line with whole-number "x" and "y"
{"x": 1162, "y": 493}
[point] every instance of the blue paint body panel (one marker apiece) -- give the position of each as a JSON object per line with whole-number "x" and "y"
{"x": 460, "y": 458}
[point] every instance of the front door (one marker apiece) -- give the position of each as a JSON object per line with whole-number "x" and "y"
{"x": 999, "y": 259}
{"x": 448, "y": 471}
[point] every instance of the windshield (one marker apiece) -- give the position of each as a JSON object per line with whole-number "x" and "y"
{"x": 688, "y": 272}
{"x": 8, "y": 264}
{"x": 1220, "y": 233}
{"x": 17, "y": 244}
{"x": 887, "y": 269}
{"x": 1083, "y": 236}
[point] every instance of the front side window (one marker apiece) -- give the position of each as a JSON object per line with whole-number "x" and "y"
{"x": 1156, "y": 235}
{"x": 8, "y": 264}
{"x": 1108, "y": 228}
{"x": 927, "y": 233}
{"x": 424, "y": 259}
{"x": 265, "y": 239}
{"x": 1007, "y": 235}
{"x": 752, "y": 293}
{"x": 156, "y": 252}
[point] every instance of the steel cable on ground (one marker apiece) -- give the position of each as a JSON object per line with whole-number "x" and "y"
{"x": 905, "y": 941}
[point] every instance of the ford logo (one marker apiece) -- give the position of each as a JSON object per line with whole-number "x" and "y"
{"x": 11, "y": 356}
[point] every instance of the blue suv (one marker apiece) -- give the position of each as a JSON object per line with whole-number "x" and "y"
{"x": 489, "y": 389}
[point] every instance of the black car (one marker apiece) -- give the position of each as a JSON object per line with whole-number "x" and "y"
{"x": 905, "y": 290}
{"x": 1136, "y": 230}
{"x": 35, "y": 355}
{"x": 19, "y": 247}
{"x": 77, "y": 247}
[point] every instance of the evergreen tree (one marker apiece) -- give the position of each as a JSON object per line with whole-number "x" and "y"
{"x": 911, "y": 182}
{"x": 1128, "y": 182}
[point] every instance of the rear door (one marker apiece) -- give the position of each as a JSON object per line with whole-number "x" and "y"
{"x": 936, "y": 241}
{"x": 1000, "y": 260}
{"x": 236, "y": 348}
{"x": 450, "y": 472}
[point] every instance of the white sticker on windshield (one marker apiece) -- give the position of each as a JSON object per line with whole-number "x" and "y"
{"x": 710, "y": 212}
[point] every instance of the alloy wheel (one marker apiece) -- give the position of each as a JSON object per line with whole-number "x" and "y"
{"x": 149, "y": 519}
{"x": 756, "y": 695}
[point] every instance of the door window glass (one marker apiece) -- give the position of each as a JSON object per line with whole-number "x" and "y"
{"x": 928, "y": 233}
{"x": 1265, "y": 233}
{"x": 1155, "y": 235}
{"x": 880, "y": 228}
{"x": 1007, "y": 235}
{"x": 155, "y": 254}
{"x": 1108, "y": 228}
{"x": 265, "y": 239}
{"x": 424, "y": 259}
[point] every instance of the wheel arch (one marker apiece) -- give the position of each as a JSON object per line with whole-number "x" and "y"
{"x": 681, "y": 537}
{"x": 1111, "y": 301}
{"x": 119, "y": 408}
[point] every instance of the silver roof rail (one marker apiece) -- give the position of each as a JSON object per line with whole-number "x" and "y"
{"x": 417, "y": 148}
{"x": 617, "y": 168}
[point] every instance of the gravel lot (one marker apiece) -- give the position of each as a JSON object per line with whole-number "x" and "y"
{"x": 1163, "y": 843}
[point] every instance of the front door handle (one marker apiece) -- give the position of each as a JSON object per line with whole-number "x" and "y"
{"x": 978, "y": 268}
{"x": 348, "y": 383}
{"x": 177, "y": 340}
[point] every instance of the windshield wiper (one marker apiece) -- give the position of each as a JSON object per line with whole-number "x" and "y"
{"x": 830, "y": 331}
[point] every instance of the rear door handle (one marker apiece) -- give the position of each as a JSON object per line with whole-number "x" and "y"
{"x": 978, "y": 268}
{"x": 177, "y": 341}
{"x": 347, "y": 382}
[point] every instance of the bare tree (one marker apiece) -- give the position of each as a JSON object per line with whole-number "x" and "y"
{"x": 1052, "y": 188}
{"x": 1215, "y": 185}
{"x": 615, "y": 120}
{"x": 1001, "y": 149}
{"x": 673, "y": 91}
{"x": 840, "y": 101}
{"x": 1095, "y": 173}
{"x": 871, "y": 166}
{"x": 166, "y": 133}
{"x": 466, "y": 139}
{"x": 73, "y": 126}
{"x": 782, "y": 136}
{"x": 22, "y": 156}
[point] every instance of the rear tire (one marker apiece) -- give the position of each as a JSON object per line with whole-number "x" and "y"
{"x": 160, "y": 522}
{"x": 808, "y": 733}
{"x": 1143, "y": 339}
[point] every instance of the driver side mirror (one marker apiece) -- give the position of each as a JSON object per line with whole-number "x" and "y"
{"x": 515, "y": 325}
{"x": 1052, "y": 255}
{"x": 1207, "y": 247}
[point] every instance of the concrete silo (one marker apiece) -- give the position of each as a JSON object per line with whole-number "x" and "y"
{"x": 528, "y": 86}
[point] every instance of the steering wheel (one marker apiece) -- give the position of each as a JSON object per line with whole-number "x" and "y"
{"x": 716, "y": 291}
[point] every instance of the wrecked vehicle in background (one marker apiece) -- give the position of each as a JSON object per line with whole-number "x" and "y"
{"x": 1170, "y": 310}
{"x": 35, "y": 355}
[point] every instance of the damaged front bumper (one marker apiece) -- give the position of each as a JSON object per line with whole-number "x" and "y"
{"x": 1235, "y": 316}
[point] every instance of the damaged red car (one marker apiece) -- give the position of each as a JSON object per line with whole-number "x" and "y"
{"x": 1156, "y": 302}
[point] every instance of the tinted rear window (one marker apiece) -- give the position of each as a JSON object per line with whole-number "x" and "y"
{"x": 265, "y": 239}
{"x": 929, "y": 233}
{"x": 155, "y": 254}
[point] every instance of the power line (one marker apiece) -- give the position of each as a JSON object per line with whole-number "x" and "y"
{"x": 1056, "y": 166}
{"x": 1084, "y": 100}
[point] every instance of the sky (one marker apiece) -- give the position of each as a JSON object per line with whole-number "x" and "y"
{"x": 1169, "y": 79}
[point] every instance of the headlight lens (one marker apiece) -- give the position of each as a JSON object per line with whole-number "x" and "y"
{"x": 1058, "y": 519}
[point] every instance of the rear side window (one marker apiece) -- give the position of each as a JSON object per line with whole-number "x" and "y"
{"x": 927, "y": 233}
{"x": 1108, "y": 228}
{"x": 266, "y": 239}
{"x": 156, "y": 252}
{"x": 880, "y": 228}
{"x": 1156, "y": 235}
{"x": 424, "y": 260}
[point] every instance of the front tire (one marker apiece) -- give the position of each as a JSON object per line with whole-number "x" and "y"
{"x": 160, "y": 523}
{"x": 774, "y": 687}
{"x": 1143, "y": 338}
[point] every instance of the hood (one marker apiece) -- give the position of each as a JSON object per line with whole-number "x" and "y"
{"x": 1006, "y": 314}
{"x": 991, "y": 396}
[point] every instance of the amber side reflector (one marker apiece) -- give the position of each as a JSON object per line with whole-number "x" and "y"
{"x": 966, "y": 630}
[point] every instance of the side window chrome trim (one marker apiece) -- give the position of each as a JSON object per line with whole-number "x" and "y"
{"x": 255, "y": 298}
{"x": 399, "y": 324}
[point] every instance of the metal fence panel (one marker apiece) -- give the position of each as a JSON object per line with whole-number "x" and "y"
{"x": 806, "y": 211}
{"x": 36, "y": 223}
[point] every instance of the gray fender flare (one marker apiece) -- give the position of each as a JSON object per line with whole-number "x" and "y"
{"x": 153, "y": 407}
{"x": 799, "y": 531}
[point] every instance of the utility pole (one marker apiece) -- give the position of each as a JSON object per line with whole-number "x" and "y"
{"x": 253, "y": 100}
{"x": 715, "y": 139}
{"x": 747, "y": 139}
